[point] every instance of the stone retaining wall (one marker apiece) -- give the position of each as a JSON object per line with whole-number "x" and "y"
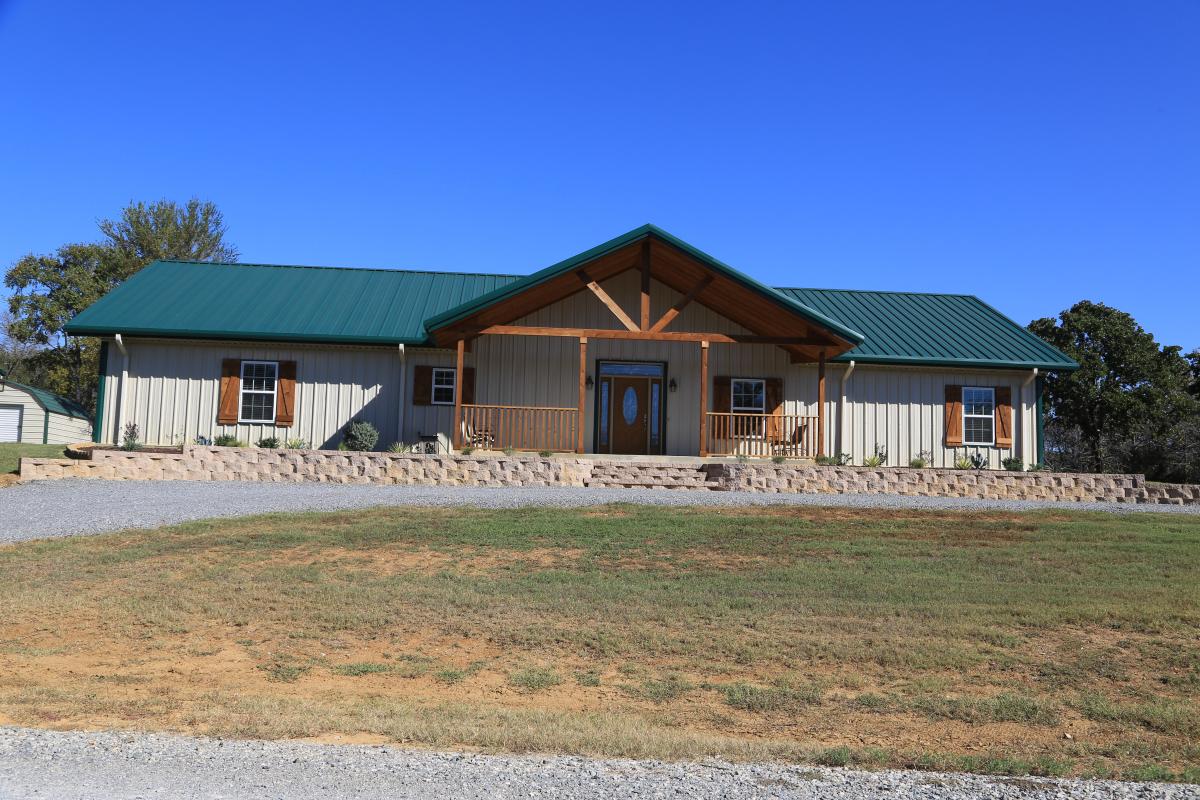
{"x": 201, "y": 463}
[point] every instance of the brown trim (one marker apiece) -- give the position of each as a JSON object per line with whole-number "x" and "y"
{"x": 458, "y": 394}
{"x": 674, "y": 310}
{"x": 954, "y": 416}
{"x": 285, "y": 395}
{"x": 582, "y": 392}
{"x": 703, "y": 398}
{"x": 645, "y": 268}
{"x": 821, "y": 404}
{"x": 1004, "y": 416}
{"x": 656, "y": 336}
{"x": 608, "y": 301}
{"x": 231, "y": 390}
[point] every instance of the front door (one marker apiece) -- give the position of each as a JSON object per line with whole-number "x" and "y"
{"x": 630, "y": 413}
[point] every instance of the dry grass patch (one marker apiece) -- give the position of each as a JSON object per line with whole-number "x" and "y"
{"x": 830, "y": 635}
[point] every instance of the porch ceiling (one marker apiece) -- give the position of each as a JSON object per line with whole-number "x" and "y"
{"x": 770, "y": 316}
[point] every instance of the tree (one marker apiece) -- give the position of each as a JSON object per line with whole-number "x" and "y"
{"x": 167, "y": 231}
{"x": 1128, "y": 407}
{"x": 49, "y": 290}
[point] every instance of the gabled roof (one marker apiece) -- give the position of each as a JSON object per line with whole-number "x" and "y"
{"x": 339, "y": 305}
{"x": 573, "y": 263}
{"x": 933, "y": 329}
{"x": 55, "y": 404}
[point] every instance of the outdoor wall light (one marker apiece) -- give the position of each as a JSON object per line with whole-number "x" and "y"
{"x": 590, "y": 383}
{"x": 672, "y": 385}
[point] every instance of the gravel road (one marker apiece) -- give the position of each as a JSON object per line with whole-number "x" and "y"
{"x": 114, "y": 766}
{"x": 74, "y": 507}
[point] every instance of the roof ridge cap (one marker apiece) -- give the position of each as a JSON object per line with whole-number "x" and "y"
{"x": 333, "y": 267}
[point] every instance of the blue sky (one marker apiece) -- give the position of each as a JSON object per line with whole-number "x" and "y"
{"x": 1032, "y": 153}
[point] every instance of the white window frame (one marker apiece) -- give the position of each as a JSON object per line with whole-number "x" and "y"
{"x": 434, "y": 385}
{"x": 243, "y": 391}
{"x": 992, "y": 416}
{"x": 736, "y": 409}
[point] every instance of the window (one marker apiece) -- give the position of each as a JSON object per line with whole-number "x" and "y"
{"x": 749, "y": 396}
{"x": 258, "y": 391}
{"x": 443, "y": 387}
{"x": 979, "y": 415}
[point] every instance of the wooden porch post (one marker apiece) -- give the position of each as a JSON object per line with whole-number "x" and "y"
{"x": 582, "y": 393}
{"x": 703, "y": 399}
{"x": 645, "y": 284}
{"x": 821, "y": 404}
{"x": 456, "y": 437}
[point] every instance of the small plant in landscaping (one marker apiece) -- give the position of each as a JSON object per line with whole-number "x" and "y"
{"x": 131, "y": 437}
{"x": 508, "y": 451}
{"x": 228, "y": 440}
{"x": 398, "y": 447}
{"x": 978, "y": 461}
{"x": 879, "y": 459}
{"x": 921, "y": 460}
{"x": 466, "y": 451}
{"x": 360, "y": 435}
{"x": 1013, "y": 464}
{"x": 296, "y": 444}
{"x": 838, "y": 460}
{"x": 778, "y": 459}
{"x": 268, "y": 442}
{"x": 203, "y": 441}
{"x": 741, "y": 458}
{"x": 534, "y": 679}
{"x": 545, "y": 453}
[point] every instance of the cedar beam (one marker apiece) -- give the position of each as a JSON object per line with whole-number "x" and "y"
{"x": 674, "y": 310}
{"x": 645, "y": 283}
{"x": 655, "y": 336}
{"x": 703, "y": 399}
{"x": 456, "y": 436}
{"x": 606, "y": 298}
{"x": 821, "y": 404}
{"x": 582, "y": 393}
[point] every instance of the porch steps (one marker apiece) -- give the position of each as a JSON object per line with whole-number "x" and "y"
{"x": 634, "y": 475}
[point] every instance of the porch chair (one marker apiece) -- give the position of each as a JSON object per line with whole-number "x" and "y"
{"x": 475, "y": 437}
{"x": 790, "y": 445}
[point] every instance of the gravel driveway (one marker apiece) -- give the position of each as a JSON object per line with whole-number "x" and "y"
{"x": 51, "y": 764}
{"x": 73, "y": 507}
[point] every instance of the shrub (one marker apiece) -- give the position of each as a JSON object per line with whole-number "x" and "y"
{"x": 269, "y": 442}
{"x": 979, "y": 461}
{"x": 228, "y": 440}
{"x": 360, "y": 435}
{"x": 466, "y": 451}
{"x": 1013, "y": 464}
{"x": 839, "y": 460}
{"x": 778, "y": 459}
{"x": 398, "y": 447}
{"x": 296, "y": 444}
{"x": 545, "y": 453}
{"x": 131, "y": 437}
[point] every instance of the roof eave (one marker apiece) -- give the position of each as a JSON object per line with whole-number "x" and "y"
{"x": 980, "y": 363}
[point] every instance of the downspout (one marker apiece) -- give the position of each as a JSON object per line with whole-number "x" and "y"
{"x": 844, "y": 444}
{"x": 401, "y": 406}
{"x": 1040, "y": 389}
{"x": 45, "y": 426}
{"x": 101, "y": 380}
{"x": 1025, "y": 438}
{"x": 122, "y": 388}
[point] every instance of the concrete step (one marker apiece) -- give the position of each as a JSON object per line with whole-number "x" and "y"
{"x": 619, "y": 483}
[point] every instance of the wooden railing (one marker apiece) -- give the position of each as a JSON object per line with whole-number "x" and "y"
{"x": 761, "y": 435}
{"x": 520, "y": 427}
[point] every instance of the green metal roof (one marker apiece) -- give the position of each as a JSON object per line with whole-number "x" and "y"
{"x": 55, "y": 404}
{"x": 554, "y": 270}
{"x": 339, "y": 305}
{"x": 934, "y": 329}
{"x": 263, "y": 302}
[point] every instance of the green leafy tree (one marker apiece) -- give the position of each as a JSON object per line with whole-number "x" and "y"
{"x": 1127, "y": 407}
{"x": 49, "y": 290}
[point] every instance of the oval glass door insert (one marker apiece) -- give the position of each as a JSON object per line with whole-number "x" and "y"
{"x": 629, "y": 405}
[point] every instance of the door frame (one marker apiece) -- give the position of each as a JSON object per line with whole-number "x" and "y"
{"x": 20, "y": 407}
{"x": 662, "y": 410}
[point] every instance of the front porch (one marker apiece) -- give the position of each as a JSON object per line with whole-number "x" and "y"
{"x": 705, "y": 366}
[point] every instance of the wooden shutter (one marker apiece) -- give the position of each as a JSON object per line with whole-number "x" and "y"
{"x": 231, "y": 391}
{"x": 468, "y": 390}
{"x": 422, "y": 385}
{"x": 285, "y": 395}
{"x": 774, "y": 407}
{"x": 721, "y": 394}
{"x": 954, "y": 419}
{"x": 1004, "y": 416}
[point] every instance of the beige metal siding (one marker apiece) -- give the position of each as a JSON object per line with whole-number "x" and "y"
{"x": 68, "y": 430}
{"x": 173, "y": 388}
{"x": 62, "y": 428}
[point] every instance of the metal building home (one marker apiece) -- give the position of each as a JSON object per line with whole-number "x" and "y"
{"x": 642, "y": 345}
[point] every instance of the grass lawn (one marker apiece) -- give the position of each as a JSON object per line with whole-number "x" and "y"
{"x": 1046, "y": 643}
{"x": 10, "y": 453}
